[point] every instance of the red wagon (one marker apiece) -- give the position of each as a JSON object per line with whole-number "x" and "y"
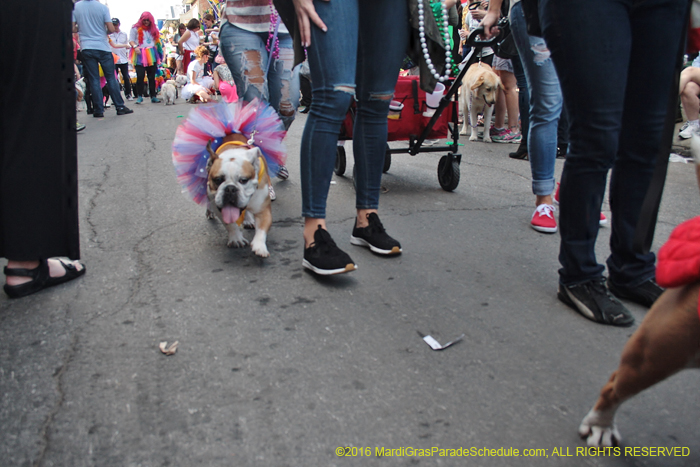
{"x": 409, "y": 124}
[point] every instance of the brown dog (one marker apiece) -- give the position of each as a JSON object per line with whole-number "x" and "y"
{"x": 667, "y": 341}
{"x": 481, "y": 84}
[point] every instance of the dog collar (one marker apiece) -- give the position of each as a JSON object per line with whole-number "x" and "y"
{"x": 229, "y": 144}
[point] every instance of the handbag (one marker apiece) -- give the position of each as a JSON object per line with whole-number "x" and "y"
{"x": 505, "y": 48}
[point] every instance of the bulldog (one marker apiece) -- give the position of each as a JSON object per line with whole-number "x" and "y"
{"x": 667, "y": 341}
{"x": 237, "y": 189}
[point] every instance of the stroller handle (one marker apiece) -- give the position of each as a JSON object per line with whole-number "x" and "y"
{"x": 474, "y": 41}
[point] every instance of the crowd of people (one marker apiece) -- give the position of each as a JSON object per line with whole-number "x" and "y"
{"x": 559, "y": 99}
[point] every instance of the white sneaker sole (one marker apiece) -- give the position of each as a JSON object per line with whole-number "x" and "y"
{"x": 544, "y": 229}
{"x": 362, "y": 242}
{"x": 329, "y": 272}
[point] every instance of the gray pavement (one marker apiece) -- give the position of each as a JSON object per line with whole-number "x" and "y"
{"x": 277, "y": 367}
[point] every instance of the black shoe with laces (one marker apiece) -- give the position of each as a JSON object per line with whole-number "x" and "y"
{"x": 375, "y": 237}
{"x": 594, "y": 301}
{"x": 124, "y": 111}
{"x": 644, "y": 294}
{"x": 324, "y": 257}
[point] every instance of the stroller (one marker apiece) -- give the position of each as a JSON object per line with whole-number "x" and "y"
{"x": 407, "y": 123}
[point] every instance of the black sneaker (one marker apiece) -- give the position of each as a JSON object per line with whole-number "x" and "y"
{"x": 324, "y": 257}
{"x": 124, "y": 111}
{"x": 375, "y": 237}
{"x": 644, "y": 294}
{"x": 98, "y": 115}
{"x": 594, "y": 301}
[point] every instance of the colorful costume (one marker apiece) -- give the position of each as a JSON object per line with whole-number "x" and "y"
{"x": 256, "y": 121}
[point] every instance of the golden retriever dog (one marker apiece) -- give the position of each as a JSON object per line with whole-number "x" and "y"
{"x": 667, "y": 341}
{"x": 480, "y": 87}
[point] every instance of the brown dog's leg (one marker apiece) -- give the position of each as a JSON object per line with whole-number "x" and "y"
{"x": 667, "y": 341}
{"x": 263, "y": 222}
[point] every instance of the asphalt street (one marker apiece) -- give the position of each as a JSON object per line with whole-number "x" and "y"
{"x": 277, "y": 367}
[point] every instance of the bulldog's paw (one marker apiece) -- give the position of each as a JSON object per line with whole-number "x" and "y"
{"x": 236, "y": 240}
{"x": 210, "y": 215}
{"x": 599, "y": 430}
{"x": 259, "y": 248}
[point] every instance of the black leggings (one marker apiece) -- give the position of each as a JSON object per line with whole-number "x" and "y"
{"x": 124, "y": 69}
{"x": 141, "y": 71}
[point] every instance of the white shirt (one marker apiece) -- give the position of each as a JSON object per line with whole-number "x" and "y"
{"x": 119, "y": 38}
{"x": 198, "y": 70}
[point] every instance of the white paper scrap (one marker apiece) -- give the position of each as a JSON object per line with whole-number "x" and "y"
{"x": 435, "y": 345}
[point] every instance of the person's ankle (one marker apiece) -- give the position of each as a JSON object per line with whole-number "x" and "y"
{"x": 543, "y": 200}
{"x": 17, "y": 280}
{"x": 361, "y": 219}
{"x": 310, "y": 227}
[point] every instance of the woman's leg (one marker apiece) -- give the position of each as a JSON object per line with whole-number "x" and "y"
{"x": 140, "y": 75}
{"x": 545, "y": 100}
{"x": 510, "y": 91}
{"x": 246, "y": 56}
{"x": 333, "y": 66}
{"x": 377, "y": 72}
{"x": 151, "y": 72}
{"x": 283, "y": 82}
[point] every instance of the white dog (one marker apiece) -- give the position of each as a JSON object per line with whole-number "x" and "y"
{"x": 479, "y": 91}
{"x": 169, "y": 92}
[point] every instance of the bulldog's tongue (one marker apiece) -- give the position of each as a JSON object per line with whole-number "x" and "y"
{"x": 230, "y": 214}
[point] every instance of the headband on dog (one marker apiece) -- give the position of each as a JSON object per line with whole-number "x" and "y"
{"x": 211, "y": 123}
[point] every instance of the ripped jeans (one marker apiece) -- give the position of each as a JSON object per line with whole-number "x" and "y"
{"x": 359, "y": 57}
{"x": 545, "y": 102}
{"x": 247, "y": 57}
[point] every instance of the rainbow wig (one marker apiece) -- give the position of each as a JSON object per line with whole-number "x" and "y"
{"x": 211, "y": 123}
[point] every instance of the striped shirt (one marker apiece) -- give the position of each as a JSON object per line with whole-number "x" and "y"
{"x": 251, "y": 15}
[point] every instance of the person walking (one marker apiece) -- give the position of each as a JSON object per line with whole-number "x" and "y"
{"x": 368, "y": 73}
{"x": 119, "y": 42}
{"x": 145, "y": 55}
{"x": 93, "y": 23}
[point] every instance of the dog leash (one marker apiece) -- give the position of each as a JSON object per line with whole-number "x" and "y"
{"x": 270, "y": 59}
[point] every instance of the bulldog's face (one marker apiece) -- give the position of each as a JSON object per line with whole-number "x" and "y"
{"x": 233, "y": 179}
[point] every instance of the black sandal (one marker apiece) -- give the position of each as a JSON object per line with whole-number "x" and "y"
{"x": 41, "y": 278}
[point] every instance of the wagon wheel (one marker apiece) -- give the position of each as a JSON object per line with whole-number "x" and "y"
{"x": 387, "y": 160}
{"x": 340, "y": 161}
{"x": 448, "y": 173}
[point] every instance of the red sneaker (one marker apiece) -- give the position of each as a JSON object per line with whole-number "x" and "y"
{"x": 543, "y": 220}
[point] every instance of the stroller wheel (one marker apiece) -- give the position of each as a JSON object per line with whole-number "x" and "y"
{"x": 340, "y": 161}
{"x": 448, "y": 173}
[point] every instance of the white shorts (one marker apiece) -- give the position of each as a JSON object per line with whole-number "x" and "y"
{"x": 502, "y": 64}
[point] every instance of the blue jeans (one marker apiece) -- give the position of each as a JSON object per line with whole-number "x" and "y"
{"x": 359, "y": 57}
{"x": 615, "y": 60}
{"x": 545, "y": 102}
{"x": 247, "y": 58}
{"x": 91, "y": 59}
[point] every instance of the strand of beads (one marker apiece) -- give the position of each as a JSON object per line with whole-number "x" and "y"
{"x": 274, "y": 19}
{"x": 440, "y": 13}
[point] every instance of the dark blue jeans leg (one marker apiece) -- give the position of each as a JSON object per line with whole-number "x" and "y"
{"x": 386, "y": 23}
{"x": 615, "y": 91}
{"x": 92, "y": 75}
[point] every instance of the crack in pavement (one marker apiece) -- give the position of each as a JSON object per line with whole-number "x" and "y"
{"x": 92, "y": 205}
{"x": 58, "y": 376}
